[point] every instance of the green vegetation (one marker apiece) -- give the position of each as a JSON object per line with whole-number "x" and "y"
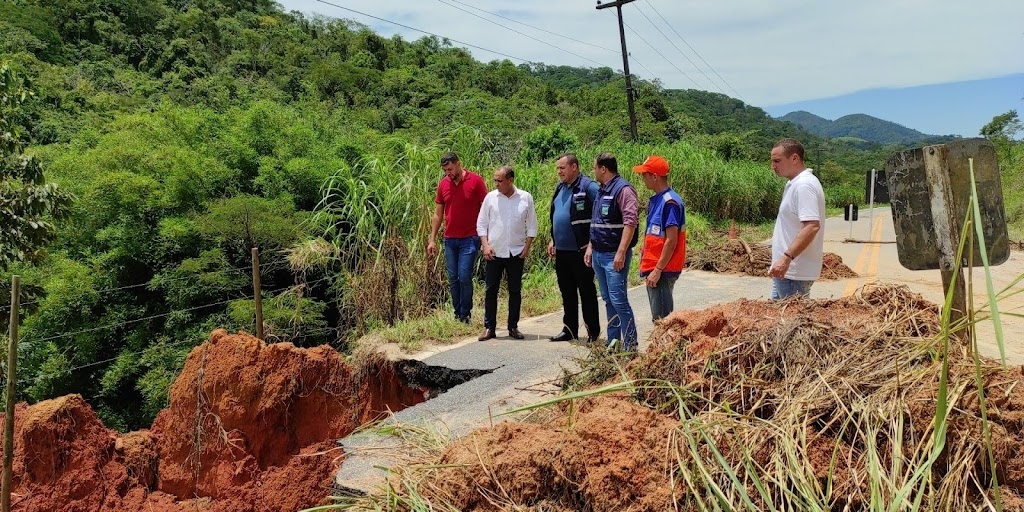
{"x": 862, "y": 130}
{"x": 1002, "y": 131}
{"x": 189, "y": 132}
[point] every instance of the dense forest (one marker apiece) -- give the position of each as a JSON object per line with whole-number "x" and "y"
{"x": 150, "y": 144}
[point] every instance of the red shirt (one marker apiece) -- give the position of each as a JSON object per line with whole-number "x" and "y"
{"x": 461, "y": 203}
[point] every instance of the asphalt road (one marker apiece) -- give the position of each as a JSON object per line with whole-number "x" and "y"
{"x": 527, "y": 370}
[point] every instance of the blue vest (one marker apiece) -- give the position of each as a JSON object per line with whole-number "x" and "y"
{"x": 580, "y": 210}
{"x": 606, "y": 223}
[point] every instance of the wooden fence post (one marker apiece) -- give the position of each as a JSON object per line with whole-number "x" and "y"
{"x": 256, "y": 293}
{"x": 12, "y": 377}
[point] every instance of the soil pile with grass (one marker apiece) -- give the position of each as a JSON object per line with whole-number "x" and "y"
{"x": 250, "y": 427}
{"x": 735, "y": 256}
{"x": 756, "y": 405}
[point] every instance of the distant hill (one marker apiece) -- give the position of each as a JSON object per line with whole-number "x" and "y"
{"x": 864, "y": 127}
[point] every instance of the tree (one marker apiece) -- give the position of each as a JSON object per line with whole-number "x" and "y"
{"x": 1002, "y": 127}
{"x": 28, "y": 205}
{"x": 245, "y": 221}
{"x": 1001, "y": 130}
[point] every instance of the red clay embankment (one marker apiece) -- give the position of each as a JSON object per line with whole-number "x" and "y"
{"x": 250, "y": 427}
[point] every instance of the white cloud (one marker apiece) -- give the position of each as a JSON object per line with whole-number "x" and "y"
{"x": 771, "y": 52}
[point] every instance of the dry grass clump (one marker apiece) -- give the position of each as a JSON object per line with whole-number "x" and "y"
{"x": 757, "y": 405}
{"x": 734, "y": 255}
{"x": 731, "y": 355}
{"x": 831, "y": 402}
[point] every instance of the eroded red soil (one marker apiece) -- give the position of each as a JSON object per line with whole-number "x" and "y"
{"x": 250, "y": 427}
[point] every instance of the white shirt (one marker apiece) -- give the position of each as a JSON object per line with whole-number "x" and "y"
{"x": 507, "y": 221}
{"x": 802, "y": 200}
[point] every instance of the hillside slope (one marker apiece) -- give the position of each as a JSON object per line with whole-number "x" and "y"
{"x": 861, "y": 126}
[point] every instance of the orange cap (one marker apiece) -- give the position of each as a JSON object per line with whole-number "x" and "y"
{"x": 655, "y": 165}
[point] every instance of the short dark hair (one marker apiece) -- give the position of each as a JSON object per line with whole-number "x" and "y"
{"x": 510, "y": 174}
{"x": 449, "y": 157}
{"x": 790, "y": 147}
{"x": 570, "y": 158}
{"x": 608, "y": 161}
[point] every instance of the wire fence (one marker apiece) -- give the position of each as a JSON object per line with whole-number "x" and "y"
{"x": 29, "y": 342}
{"x": 246, "y": 270}
{"x": 66, "y": 371}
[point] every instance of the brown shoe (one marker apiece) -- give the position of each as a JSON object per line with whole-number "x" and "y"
{"x": 487, "y": 334}
{"x": 515, "y": 334}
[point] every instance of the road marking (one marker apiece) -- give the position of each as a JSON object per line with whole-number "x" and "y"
{"x": 867, "y": 260}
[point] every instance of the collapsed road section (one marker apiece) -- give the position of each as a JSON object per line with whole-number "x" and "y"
{"x": 523, "y": 373}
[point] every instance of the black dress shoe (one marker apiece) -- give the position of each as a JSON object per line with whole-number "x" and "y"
{"x": 515, "y": 334}
{"x": 562, "y": 336}
{"x": 487, "y": 334}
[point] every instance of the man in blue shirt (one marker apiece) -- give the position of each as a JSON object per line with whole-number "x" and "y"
{"x": 571, "y": 210}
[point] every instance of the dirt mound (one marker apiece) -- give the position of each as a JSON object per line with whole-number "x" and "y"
{"x": 250, "y": 427}
{"x": 63, "y": 449}
{"x": 735, "y": 256}
{"x": 824, "y": 404}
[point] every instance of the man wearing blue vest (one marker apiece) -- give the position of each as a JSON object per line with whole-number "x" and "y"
{"x": 663, "y": 252}
{"x": 570, "y": 213}
{"x": 612, "y": 237}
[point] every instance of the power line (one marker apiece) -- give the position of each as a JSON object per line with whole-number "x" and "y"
{"x": 731, "y": 88}
{"x": 522, "y": 33}
{"x": 537, "y": 28}
{"x": 424, "y": 31}
{"x": 694, "y": 64}
{"x": 513, "y": 20}
{"x": 641, "y": 64}
{"x": 635, "y": 33}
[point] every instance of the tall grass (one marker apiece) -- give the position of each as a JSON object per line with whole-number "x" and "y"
{"x": 1011, "y": 174}
{"x": 374, "y": 218}
{"x": 709, "y": 185}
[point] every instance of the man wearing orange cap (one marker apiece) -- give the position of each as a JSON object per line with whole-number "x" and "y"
{"x": 663, "y": 253}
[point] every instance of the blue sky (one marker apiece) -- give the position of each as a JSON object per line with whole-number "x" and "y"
{"x": 957, "y": 108}
{"x": 870, "y": 56}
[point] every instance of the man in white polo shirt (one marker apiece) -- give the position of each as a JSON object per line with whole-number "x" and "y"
{"x": 799, "y": 237}
{"x": 507, "y": 225}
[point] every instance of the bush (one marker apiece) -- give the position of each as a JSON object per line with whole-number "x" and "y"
{"x": 547, "y": 142}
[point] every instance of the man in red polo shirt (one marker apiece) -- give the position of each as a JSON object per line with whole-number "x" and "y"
{"x": 459, "y": 196}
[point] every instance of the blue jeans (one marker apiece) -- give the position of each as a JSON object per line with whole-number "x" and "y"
{"x": 621, "y": 323}
{"x": 661, "y": 297}
{"x": 459, "y": 257}
{"x": 784, "y": 288}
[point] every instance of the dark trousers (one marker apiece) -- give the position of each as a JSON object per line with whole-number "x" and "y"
{"x": 575, "y": 277}
{"x": 512, "y": 268}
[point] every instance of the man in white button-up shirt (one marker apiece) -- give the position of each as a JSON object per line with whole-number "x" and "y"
{"x": 507, "y": 225}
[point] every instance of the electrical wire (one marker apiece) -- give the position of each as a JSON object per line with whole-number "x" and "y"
{"x": 537, "y": 28}
{"x": 688, "y": 59}
{"x": 695, "y": 52}
{"x": 423, "y": 31}
{"x": 661, "y": 54}
{"x": 522, "y": 33}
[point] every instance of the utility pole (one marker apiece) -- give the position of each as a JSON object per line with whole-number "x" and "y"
{"x": 625, "y": 62}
